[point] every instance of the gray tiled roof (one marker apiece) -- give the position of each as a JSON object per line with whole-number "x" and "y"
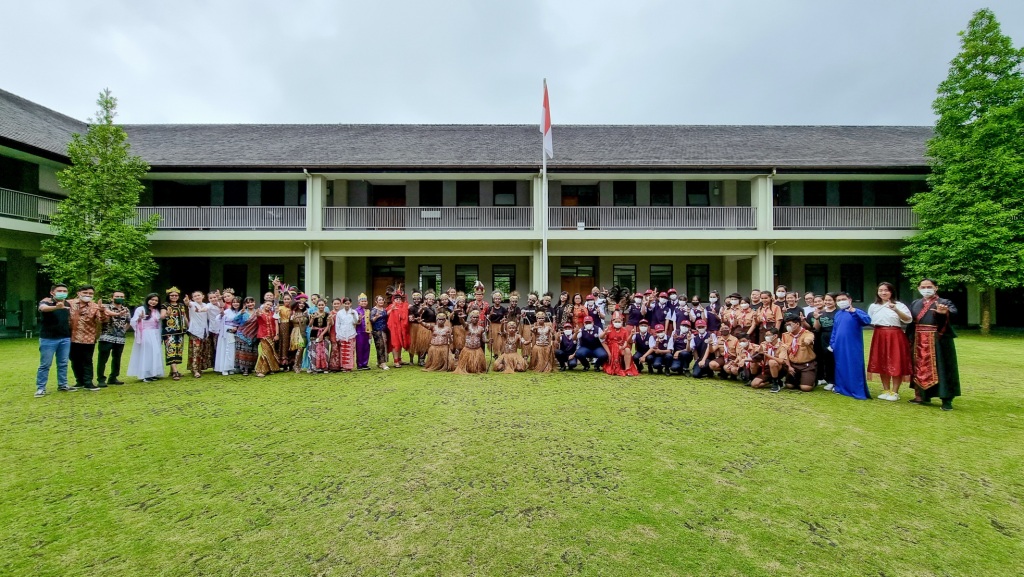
{"x": 418, "y": 146}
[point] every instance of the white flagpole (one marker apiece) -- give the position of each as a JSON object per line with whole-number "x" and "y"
{"x": 544, "y": 210}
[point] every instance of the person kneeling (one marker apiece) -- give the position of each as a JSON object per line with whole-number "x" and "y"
{"x": 771, "y": 359}
{"x": 510, "y": 361}
{"x": 566, "y": 352}
{"x": 800, "y": 358}
{"x": 439, "y": 354}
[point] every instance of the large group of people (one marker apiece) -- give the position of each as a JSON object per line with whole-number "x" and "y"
{"x": 764, "y": 340}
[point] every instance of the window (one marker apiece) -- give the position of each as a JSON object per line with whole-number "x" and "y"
{"x": 302, "y": 191}
{"x": 236, "y": 193}
{"x": 816, "y": 278}
{"x": 430, "y": 277}
{"x": 851, "y": 281}
{"x": 467, "y": 193}
{"x": 386, "y": 194}
{"x": 897, "y": 193}
{"x": 504, "y": 276}
{"x": 266, "y": 271}
{"x": 624, "y": 275}
{"x": 171, "y": 193}
{"x": 624, "y": 193}
{"x": 781, "y": 195}
{"x": 851, "y": 193}
{"x": 505, "y": 192}
{"x": 815, "y": 194}
{"x": 661, "y": 193}
{"x": 698, "y": 193}
{"x": 581, "y": 195}
{"x": 301, "y": 281}
{"x": 661, "y": 276}
{"x": 698, "y": 280}
{"x": 236, "y": 277}
{"x": 272, "y": 193}
{"x": 578, "y": 271}
{"x": 431, "y": 193}
{"x": 466, "y": 276}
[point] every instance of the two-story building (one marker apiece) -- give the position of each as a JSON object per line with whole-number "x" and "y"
{"x": 343, "y": 209}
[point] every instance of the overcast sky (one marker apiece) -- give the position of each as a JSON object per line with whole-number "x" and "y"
{"x": 482, "y": 61}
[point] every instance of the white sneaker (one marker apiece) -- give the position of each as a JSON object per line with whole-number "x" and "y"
{"x": 885, "y": 396}
{"x": 384, "y": 367}
{"x": 828, "y": 386}
{"x": 893, "y": 397}
{"x": 823, "y": 382}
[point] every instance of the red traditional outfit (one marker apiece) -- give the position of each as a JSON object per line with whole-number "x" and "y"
{"x": 617, "y": 340}
{"x": 266, "y": 360}
{"x": 398, "y": 326}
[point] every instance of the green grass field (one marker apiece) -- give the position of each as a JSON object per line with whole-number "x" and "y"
{"x": 409, "y": 473}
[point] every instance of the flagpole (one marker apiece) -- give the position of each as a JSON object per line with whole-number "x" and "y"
{"x": 544, "y": 209}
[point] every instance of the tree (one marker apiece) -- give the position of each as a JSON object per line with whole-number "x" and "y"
{"x": 971, "y": 230}
{"x": 99, "y": 239}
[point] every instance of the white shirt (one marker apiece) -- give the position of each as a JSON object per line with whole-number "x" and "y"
{"x": 216, "y": 323}
{"x": 809, "y": 311}
{"x": 345, "y": 323}
{"x": 883, "y": 316}
{"x": 198, "y": 323}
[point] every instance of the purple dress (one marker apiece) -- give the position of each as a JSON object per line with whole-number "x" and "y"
{"x": 362, "y": 339}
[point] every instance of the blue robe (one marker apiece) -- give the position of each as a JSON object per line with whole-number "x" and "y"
{"x": 848, "y": 347}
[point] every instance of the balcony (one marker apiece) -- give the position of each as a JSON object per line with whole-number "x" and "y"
{"x": 25, "y": 206}
{"x": 226, "y": 217}
{"x": 428, "y": 218}
{"x": 651, "y": 217}
{"x": 845, "y": 217}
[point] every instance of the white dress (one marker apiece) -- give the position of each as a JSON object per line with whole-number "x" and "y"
{"x": 225, "y": 361}
{"x": 147, "y": 360}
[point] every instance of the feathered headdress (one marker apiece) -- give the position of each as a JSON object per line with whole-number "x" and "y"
{"x": 478, "y": 286}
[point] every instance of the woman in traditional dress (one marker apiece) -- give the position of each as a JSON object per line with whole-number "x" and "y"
{"x": 890, "y": 351}
{"x": 225, "y": 362}
{"x": 510, "y": 360}
{"x": 439, "y": 353}
{"x": 175, "y": 324}
{"x": 147, "y": 358}
{"x": 398, "y": 327}
{"x": 542, "y": 351}
{"x": 245, "y": 337}
{"x": 847, "y": 344}
{"x": 528, "y": 317}
{"x": 343, "y": 358}
{"x": 935, "y": 372}
{"x": 363, "y": 332}
{"x": 267, "y": 337}
{"x": 216, "y": 305}
{"x": 298, "y": 340}
{"x": 472, "y": 358}
{"x": 579, "y": 311}
{"x": 379, "y": 325}
{"x": 319, "y": 338}
{"x": 617, "y": 343}
{"x": 284, "y": 331}
{"x": 198, "y": 334}
{"x": 420, "y": 311}
{"x": 496, "y": 324}
{"x": 459, "y": 320}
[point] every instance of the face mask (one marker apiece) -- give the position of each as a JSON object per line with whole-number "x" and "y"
{"x": 119, "y": 301}
{"x": 743, "y": 345}
{"x": 617, "y": 325}
{"x": 643, "y": 330}
{"x": 794, "y": 328}
{"x": 86, "y": 299}
{"x": 780, "y": 294}
{"x": 638, "y": 301}
{"x": 744, "y": 306}
{"x": 927, "y": 292}
{"x": 684, "y": 329}
{"x": 674, "y": 297}
{"x": 661, "y": 335}
{"x": 769, "y": 338}
{"x": 662, "y": 301}
{"x": 695, "y": 303}
{"x": 713, "y": 299}
{"x": 701, "y": 331}
{"x": 60, "y": 295}
{"x": 567, "y": 332}
{"x": 843, "y": 305}
{"x": 588, "y": 326}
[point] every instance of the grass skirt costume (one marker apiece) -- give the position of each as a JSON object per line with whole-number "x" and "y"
{"x": 439, "y": 355}
{"x": 542, "y": 353}
{"x": 472, "y": 358}
{"x": 419, "y": 336}
{"x": 510, "y": 361}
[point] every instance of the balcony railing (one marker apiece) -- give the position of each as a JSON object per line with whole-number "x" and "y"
{"x": 651, "y": 217}
{"x": 26, "y": 206}
{"x": 226, "y": 217}
{"x": 428, "y": 218}
{"x": 845, "y": 217}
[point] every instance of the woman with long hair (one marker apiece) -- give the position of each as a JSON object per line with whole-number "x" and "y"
{"x": 174, "y": 315}
{"x": 225, "y": 361}
{"x": 890, "y": 351}
{"x": 147, "y": 360}
{"x": 245, "y": 337}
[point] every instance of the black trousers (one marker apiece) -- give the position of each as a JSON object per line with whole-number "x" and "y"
{"x": 108, "y": 350}
{"x": 81, "y": 363}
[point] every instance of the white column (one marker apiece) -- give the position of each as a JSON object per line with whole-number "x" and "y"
{"x": 763, "y": 264}
{"x": 314, "y": 269}
{"x": 730, "y": 277}
{"x": 761, "y": 198}
{"x": 316, "y": 194}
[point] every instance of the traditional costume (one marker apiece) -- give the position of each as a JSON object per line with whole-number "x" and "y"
{"x": 379, "y": 325}
{"x": 245, "y": 341}
{"x": 495, "y": 322}
{"x": 198, "y": 331}
{"x": 284, "y": 331}
{"x": 847, "y": 344}
{"x": 147, "y": 357}
{"x": 225, "y": 360}
{"x": 298, "y": 340}
{"x": 935, "y": 370}
{"x": 343, "y": 353}
{"x": 266, "y": 353}
{"x": 890, "y": 350}
{"x": 439, "y": 353}
{"x": 510, "y": 360}
{"x": 398, "y": 327}
{"x": 472, "y": 358}
{"x": 363, "y": 332}
{"x": 175, "y": 324}
{"x": 319, "y": 338}
{"x": 618, "y": 345}
{"x": 542, "y": 349}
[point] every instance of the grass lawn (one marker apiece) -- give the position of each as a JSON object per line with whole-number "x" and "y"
{"x": 409, "y": 473}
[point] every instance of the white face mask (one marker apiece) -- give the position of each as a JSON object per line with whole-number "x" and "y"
{"x": 662, "y": 301}
{"x": 769, "y": 338}
{"x": 843, "y": 304}
{"x": 780, "y": 294}
{"x": 794, "y": 328}
{"x": 684, "y": 329}
{"x": 744, "y": 306}
{"x": 713, "y": 300}
{"x": 643, "y": 330}
{"x": 743, "y": 345}
{"x": 702, "y": 331}
{"x": 661, "y": 335}
{"x": 86, "y": 299}
{"x": 927, "y": 292}
{"x": 638, "y": 300}
{"x": 617, "y": 324}
{"x": 588, "y": 326}
{"x": 674, "y": 297}
{"x": 567, "y": 332}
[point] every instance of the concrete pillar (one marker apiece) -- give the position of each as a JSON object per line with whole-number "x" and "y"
{"x": 412, "y": 193}
{"x": 315, "y": 264}
{"x": 763, "y": 266}
{"x": 832, "y": 193}
{"x": 606, "y": 189}
{"x": 679, "y": 193}
{"x": 316, "y": 197}
{"x": 761, "y": 198}
{"x": 730, "y": 275}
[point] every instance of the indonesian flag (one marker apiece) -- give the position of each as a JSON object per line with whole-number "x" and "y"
{"x": 545, "y": 124}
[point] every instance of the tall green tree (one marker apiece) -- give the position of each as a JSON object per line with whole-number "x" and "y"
{"x": 971, "y": 230}
{"x": 98, "y": 237}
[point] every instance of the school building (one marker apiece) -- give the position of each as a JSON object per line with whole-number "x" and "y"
{"x": 344, "y": 209}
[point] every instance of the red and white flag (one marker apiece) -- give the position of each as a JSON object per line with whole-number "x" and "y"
{"x": 545, "y": 124}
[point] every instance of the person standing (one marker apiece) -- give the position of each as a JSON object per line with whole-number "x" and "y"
{"x": 86, "y": 317}
{"x": 54, "y": 339}
{"x": 345, "y": 321}
{"x": 846, "y": 344}
{"x": 147, "y": 360}
{"x": 267, "y": 336}
{"x": 245, "y": 337}
{"x": 439, "y": 350}
{"x": 934, "y": 364}
{"x": 890, "y": 351}
{"x": 112, "y": 339}
{"x": 542, "y": 345}
{"x": 398, "y": 327}
{"x": 174, "y": 315}
{"x": 363, "y": 331}
{"x": 379, "y": 326}
{"x": 198, "y": 334}
{"x": 822, "y": 319}
{"x": 224, "y": 363}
